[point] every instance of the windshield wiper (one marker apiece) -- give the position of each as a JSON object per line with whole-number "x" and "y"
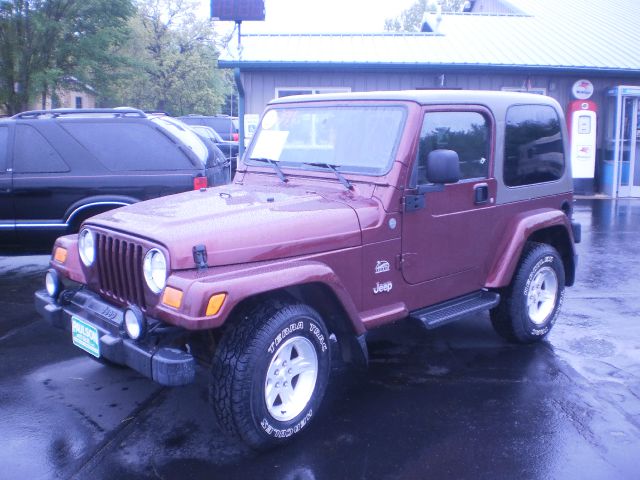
{"x": 334, "y": 169}
{"x": 275, "y": 166}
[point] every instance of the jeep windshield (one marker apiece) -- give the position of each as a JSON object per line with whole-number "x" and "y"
{"x": 352, "y": 139}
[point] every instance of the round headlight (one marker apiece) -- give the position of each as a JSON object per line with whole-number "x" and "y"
{"x": 86, "y": 247}
{"x": 52, "y": 283}
{"x": 134, "y": 323}
{"x": 155, "y": 270}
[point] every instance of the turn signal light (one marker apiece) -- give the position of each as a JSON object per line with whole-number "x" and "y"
{"x": 199, "y": 182}
{"x": 215, "y": 303}
{"x": 60, "y": 255}
{"x": 172, "y": 297}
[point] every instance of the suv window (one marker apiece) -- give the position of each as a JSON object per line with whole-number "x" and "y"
{"x": 225, "y": 126}
{"x": 4, "y": 135}
{"x": 533, "y": 151}
{"x": 34, "y": 154}
{"x": 466, "y": 133}
{"x": 130, "y": 148}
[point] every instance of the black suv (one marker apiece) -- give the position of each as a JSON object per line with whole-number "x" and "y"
{"x": 59, "y": 167}
{"x": 225, "y": 125}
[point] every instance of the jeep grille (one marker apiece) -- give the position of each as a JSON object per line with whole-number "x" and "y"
{"x": 120, "y": 270}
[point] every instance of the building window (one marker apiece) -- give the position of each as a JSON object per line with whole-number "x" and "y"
{"x": 527, "y": 89}
{"x": 288, "y": 91}
{"x": 533, "y": 147}
{"x": 78, "y": 102}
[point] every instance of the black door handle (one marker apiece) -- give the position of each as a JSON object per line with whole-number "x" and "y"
{"x": 481, "y": 194}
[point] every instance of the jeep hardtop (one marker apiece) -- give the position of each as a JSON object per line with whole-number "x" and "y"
{"x": 348, "y": 211}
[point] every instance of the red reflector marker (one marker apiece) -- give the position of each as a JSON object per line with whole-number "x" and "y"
{"x": 199, "y": 182}
{"x": 235, "y": 137}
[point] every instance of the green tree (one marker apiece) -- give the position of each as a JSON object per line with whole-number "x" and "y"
{"x": 173, "y": 60}
{"x": 410, "y": 20}
{"x": 42, "y": 41}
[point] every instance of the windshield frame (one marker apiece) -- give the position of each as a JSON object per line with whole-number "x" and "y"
{"x": 322, "y": 106}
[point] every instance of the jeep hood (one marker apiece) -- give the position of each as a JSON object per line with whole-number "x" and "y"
{"x": 239, "y": 223}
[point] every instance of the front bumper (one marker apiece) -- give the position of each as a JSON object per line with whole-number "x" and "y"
{"x": 164, "y": 365}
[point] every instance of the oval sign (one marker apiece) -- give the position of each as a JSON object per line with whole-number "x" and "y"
{"x": 582, "y": 89}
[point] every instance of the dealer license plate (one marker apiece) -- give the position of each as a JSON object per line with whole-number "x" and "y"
{"x": 85, "y": 336}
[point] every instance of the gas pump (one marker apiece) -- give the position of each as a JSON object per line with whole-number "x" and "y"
{"x": 581, "y": 120}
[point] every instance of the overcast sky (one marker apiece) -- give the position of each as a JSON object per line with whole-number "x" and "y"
{"x": 322, "y": 16}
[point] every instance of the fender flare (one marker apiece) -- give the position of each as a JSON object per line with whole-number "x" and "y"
{"x": 523, "y": 226}
{"x": 248, "y": 281}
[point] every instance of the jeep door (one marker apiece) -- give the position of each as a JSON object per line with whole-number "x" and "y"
{"x": 446, "y": 241}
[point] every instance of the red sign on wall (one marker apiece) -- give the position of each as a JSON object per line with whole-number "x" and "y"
{"x": 237, "y": 10}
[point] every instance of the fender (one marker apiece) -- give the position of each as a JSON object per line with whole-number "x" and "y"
{"x": 71, "y": 268}
{"x": 114, "y": 201}
{"x": 521, "y": 227}
{"x": 240, "y": 282}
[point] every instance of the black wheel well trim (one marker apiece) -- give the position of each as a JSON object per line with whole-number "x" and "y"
{"x": 558, "y": 238}
{"x": 324, "y": 300}
{"x": 77, "y": 209}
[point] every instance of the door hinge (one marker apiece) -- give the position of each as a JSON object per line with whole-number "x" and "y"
{"x": 413, "y": 202}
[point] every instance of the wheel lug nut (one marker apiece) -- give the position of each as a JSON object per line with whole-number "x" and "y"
{"x": 277, "y": 372}
{"x": 284, "y": 364}
{"x": 289, "y": 371}
{"x": 284, "y": 384}
{"x": 277, "y": 384}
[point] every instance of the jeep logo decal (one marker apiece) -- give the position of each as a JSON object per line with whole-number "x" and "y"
{"x": 382, "y": 287}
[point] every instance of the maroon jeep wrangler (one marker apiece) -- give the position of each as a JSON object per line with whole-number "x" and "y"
{"x": 349, "y": 211}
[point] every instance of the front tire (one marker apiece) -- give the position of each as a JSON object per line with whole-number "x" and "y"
{"x": 531, "y": 304}
{"x": 270, "y": 373}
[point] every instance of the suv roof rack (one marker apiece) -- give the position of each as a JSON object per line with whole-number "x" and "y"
{"x": 58, "y": 112}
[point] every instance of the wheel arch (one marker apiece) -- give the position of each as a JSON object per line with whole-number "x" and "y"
{"x": 548, "y": 226}
{"x": 322, "y": 298}
{"x": 87, "y": 207}
{"x": 559, "y": 239}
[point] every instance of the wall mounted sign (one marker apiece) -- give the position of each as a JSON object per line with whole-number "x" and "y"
{"x": 582, "y": 89}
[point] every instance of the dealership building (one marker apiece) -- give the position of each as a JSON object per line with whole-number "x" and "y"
{"x": 584, "y": 53}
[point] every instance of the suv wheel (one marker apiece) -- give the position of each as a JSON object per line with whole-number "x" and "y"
{"x": 531, "y": 304}
{"x": 270, "y": 373}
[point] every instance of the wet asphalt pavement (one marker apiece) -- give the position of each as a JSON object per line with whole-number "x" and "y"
{"x": 456, "y": 402}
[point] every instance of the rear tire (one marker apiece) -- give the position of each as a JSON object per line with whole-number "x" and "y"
{"x": 270, "y": 372}
{"x": 531, "y": 304}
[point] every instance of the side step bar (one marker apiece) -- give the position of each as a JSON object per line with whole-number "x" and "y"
{"x": 451, "y": 310}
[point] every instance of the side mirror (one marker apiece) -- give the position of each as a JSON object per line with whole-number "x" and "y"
{"x": 443, "y": 166}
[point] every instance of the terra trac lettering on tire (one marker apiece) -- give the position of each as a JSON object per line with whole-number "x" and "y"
{"x": 270, "y": 373}
{"x": 531, "y": 304}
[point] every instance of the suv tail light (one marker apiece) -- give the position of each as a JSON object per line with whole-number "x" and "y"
{"x": 200, "y": 182}
{"x": 235, "y": 137}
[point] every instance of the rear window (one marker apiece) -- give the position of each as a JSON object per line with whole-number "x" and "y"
{"x": 129, "y": 146}
{"x": 533, "y": 151}
{"x": 222, "y": 125}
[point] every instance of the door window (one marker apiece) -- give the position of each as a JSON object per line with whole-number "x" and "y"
{"x": 466, "y": 133}
{"x": 34, "y": 154}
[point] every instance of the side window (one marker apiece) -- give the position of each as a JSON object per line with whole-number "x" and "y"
{"x": 34, "y": 154}
{"x": 4, "y": 135}
{"x": 466, "y": 133}
{"x": 129, "y": 147}
{"x": 533, "y": 149}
